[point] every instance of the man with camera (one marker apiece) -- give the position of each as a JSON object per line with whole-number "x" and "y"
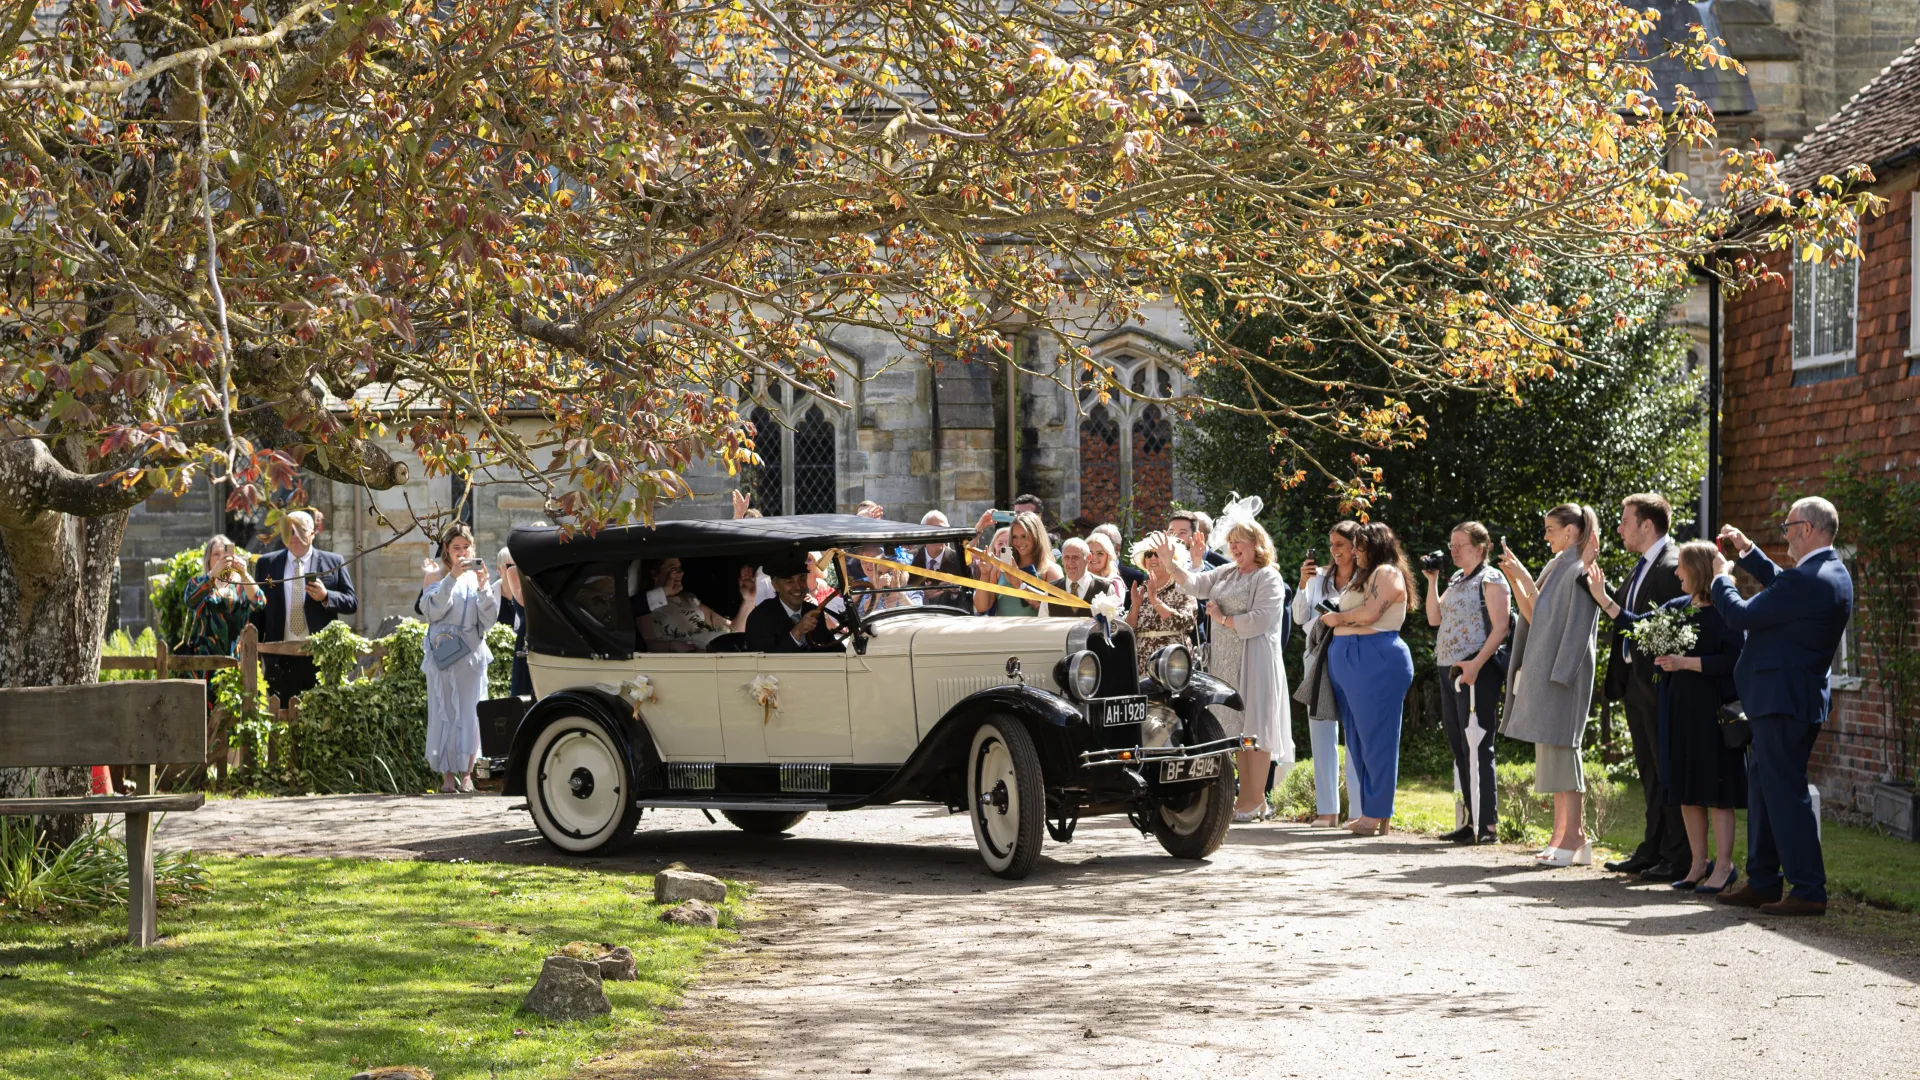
{"x": 1793, "y": 627}
{"x": 306, "y": 589}
{"x": 1663, "y": 854}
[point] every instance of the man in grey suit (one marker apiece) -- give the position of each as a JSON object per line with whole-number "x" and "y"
{"x": 1663, "y": 854}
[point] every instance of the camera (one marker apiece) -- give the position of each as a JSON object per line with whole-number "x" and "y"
{"x": 1435, "y": 560}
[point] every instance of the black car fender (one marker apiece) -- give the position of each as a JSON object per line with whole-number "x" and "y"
{"x": 1203, "y": 690}
{"x": 614, "y": 713}
{"x": 1045, "y": 715}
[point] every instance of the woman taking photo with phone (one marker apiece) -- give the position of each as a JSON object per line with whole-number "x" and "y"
{"x": 1026, "y": 549}
{"x": 1473, "y": 616}
{"x": 219, "y": 600}
{"x": 1372, "y": 669}
{"x": 1320, "y": 585}
{"x": 1550, "y": 685}
{"x": 459, "y": 602}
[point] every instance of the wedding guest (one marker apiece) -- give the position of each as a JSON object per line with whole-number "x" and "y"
{"x": 1663, "y": 853}
{"x": 1248, "y": 605}
{"x": 513, "y": 612}
{"x": 1704, "y": 777}
{"x": 459, "y": 602}
{"x": 1319, "y": 584}
{"x": 1161, "y": 615}
{"x": 945, "y": 559}
{"x": 1131, "y": 576}
{"x": 1473, "y": 616}
{"x": 1027, "y": 550}
{"x": 1793, "y": 627}
{"x": 1077, "y": 576}
{"x": 306, "y": 588}
{"x": 685, "y": 623}
{"x": 220, "y": 598}
{"x": 1371, "y": 670}
{"x": 1103, "y": 562}
{"x": 1550, "y": 681}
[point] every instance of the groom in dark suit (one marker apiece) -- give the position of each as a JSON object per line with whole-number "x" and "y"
{"x": 1663, "y": 854}
{"x": 306, "y": 588}
{"x": 1793, "y": 627}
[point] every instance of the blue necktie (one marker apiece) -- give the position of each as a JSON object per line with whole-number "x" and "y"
{"x": 1633, "y": 583}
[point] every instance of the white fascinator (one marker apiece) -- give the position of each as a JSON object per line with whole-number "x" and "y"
{"x": 1238, "y": 511}
{"x": 1137, "y": 554}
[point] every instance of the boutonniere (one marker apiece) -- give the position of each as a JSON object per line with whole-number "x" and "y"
{"x": 765, "y": 691}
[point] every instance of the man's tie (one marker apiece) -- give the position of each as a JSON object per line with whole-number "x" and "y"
{"x": 297, "y": 611}
{"x": 1633, "y": 583}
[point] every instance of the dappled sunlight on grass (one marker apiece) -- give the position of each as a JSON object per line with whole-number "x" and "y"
{"x": 304, "y": 968}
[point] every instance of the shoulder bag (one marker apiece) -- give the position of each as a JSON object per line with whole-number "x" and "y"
{"x": 1736, "y": 731}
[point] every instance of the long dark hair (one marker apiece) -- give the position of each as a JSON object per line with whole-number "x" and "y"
{"x": 1582, "y": 516}
{"x": 1377, "y": 546}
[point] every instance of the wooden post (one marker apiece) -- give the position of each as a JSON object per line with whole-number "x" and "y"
{"x": 142, "y": 918}
{"x": 161, "y": 656}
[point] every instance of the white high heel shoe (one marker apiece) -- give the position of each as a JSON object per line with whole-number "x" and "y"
{"x": 1570, "y": 857}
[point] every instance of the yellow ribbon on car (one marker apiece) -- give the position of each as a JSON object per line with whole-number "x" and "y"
{"x": 1050, "y": 594}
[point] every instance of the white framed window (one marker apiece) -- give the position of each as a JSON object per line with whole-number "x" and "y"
{"x": 1844, "y": 674}
{"x": 1825, "y": 303}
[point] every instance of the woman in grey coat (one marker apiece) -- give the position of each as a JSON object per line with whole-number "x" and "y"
{"x": 1550, "y": 680}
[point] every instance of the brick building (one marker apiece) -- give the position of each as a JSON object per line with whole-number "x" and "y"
{"x": 1826, "y": 363}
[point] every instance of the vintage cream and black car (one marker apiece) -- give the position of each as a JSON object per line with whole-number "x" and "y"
{"x": 1019, "y": 722}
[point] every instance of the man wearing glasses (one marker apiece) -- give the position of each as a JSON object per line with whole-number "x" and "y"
{"x": 1793, "y": 627}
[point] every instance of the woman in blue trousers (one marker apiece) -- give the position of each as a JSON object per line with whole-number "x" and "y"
{"x": 1372, "y": 669}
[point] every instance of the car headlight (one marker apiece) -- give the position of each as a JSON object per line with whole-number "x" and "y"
{"x": 1083, "y": 675}
{"x": 1172, "y": 667}
{"x": 1157, "y": 729}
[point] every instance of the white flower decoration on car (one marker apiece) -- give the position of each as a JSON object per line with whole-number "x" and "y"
{"x": 636, "y": 692}
{"x": 1106, "y": 606}
{"x": 765, "y": 691}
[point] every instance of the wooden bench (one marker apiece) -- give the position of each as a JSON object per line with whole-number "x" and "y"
{"x": 139, "y": 723}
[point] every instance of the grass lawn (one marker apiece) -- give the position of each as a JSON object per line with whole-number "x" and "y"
{"x": 318, "y": 968}
{"x": 1861, "y": 863}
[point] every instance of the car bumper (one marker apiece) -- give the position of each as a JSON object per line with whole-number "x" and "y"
{"x": 1135, "y": 755}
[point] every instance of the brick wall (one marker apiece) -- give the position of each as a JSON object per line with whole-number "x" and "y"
{"x": 1778, "y": 435}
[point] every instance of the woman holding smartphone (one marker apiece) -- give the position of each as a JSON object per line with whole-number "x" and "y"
{"x": 1320, "y": 585}
{"x": 219, "y": 600}
{"x": 459, "y": 602}
{"x": 1026, "y": 548}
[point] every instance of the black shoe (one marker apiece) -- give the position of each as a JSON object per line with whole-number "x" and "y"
{"x": 1666, "y": 871}
{"x": 1487, "y": 836}
{"x": 1631, "y": 865}
{"x": 1461, "y": 835}
{"x": 1689, "y": 884}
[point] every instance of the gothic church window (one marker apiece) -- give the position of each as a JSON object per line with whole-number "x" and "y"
{"x": 799, "y": 445}
{"x": 1126, "y": 445}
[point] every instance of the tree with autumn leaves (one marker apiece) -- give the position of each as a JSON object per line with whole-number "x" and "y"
{"x": 228, "y": 231}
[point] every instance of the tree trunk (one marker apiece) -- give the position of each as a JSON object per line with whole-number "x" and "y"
{"x": 56, "y": 578}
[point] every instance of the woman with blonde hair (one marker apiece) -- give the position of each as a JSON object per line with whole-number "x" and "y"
{"x": 1247, "y": 609}
{"x": 1103, "y": 562}
{"x": 1026, "y": 549}
{"x": 219, "y": 600}
{"x": 1371, "y": 670}
{"x": 1550, "y": 677}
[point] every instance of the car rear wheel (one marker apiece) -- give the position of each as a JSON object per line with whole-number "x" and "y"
{"x": 1007, "y": 797}
{"x": 580, "y": 787}
{"x": 1195, "y": 826}
{"x": 764, "y": 822}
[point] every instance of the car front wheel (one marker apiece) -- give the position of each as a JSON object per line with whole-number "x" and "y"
{"x": 1007, "y": 797}
{"x": 1194, "y": 824}
{"x": 580, "y": 788}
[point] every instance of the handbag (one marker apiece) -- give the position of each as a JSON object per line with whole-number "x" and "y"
{"x": 1736, "y": 731}
{"x": 446, "y": 646}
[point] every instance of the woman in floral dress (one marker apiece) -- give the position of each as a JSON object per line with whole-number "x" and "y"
{"x": 219, "y": 600}
{"x": 1162, "y": 615}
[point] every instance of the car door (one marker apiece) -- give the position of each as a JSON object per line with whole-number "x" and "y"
{"x": 810, "y": 721}
{"x": 684, "y": 717}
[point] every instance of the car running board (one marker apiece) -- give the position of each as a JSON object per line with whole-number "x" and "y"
{"x": 736, "y": 804}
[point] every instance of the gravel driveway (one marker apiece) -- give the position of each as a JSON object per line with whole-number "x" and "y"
{"x": 886, "y": 950}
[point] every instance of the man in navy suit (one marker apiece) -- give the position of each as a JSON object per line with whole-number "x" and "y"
{"x": 324, "y": 591}
{"x": 1793, "y": 627}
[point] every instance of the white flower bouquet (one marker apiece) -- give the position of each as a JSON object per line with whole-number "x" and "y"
{"x": 1668, "y": 632}
{"x": 765, "y": 691}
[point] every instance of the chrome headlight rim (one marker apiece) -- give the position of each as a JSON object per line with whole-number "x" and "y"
{"x": 1165, "y": 669}
{"x": 1078, "y": 666}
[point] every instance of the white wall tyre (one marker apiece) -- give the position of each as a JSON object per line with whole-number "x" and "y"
{"x": 580, "y": 788}
{"x": 1196, "y": 826}
{"x": 1006, "y": 797}
{"x": 764, "y": 822}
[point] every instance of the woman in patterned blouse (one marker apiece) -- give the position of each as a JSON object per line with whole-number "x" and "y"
{"x": 219, "y": 599}
{"x": 1162, "y": 614}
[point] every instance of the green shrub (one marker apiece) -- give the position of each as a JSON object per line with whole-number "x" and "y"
{"x": 1296, "y": 799}
{"x": 1604, "y": 804}
{"x": 1522, "y": 813}
{"x": 120, "y": 643}
{"x": 168, "y": 593}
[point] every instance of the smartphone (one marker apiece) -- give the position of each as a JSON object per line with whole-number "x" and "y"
{"x": 1003, "y": 517}
{"x": 1329, "y": 605}
{"x": 476, "y": 563}
{"x": 1726, "y": 547}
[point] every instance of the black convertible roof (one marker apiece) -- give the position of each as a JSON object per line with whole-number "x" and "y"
{"x": 540, "y": 548}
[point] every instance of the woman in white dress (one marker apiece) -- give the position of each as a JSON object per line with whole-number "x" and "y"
{"x": 459, "y": 602}
{"x": 1247, "y": 607}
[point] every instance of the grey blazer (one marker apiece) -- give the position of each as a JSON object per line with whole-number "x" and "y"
{"x": 1550, "y": 681}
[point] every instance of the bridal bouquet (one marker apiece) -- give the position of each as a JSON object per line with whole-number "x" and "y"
{"x": 1667, "y": 632}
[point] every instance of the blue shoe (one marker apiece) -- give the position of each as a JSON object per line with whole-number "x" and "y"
{"x": 1709, "y": 890}
{"x": 1688, "y": 884}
